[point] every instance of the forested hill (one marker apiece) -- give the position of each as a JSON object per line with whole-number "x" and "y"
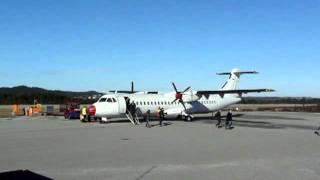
{"x": 280, "y": 100}
{"x": 28, "y": 95}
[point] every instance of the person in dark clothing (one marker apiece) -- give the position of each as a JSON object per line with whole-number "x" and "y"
{"x": 161, "y": 116}
{"x": 218, "y": 118}
{"x": 317, "y": 132}
{"x": 134, "y": 111}
{"x": 147, "y": 117}
{"x": 229, "y": 120}
{"x": 134, "y": 106}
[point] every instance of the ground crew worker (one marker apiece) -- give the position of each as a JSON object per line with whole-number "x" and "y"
{"x": 84, "y": 113}
{"x": 147, "y": 117}
{"x": 229, "y": 120}
{"x": 218, "y": 117}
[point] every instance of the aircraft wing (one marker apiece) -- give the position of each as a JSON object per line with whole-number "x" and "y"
{"x": 134, "y": 92}
{"x": 237, "y": 91}
{"x": 123, "y": 92}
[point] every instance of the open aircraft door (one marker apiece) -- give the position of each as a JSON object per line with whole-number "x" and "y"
{"x": 122, "y": 105}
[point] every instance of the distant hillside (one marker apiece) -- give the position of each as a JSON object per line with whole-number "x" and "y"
{"x": 280, "y": 100}
{"x": 27, "y": 95}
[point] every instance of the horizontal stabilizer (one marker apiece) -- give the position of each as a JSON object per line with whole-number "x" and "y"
{"x": 238, "y": 72}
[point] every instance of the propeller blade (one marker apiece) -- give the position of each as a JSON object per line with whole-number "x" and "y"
{"x": 186, "y": 89}
{"x": 184, "y": 106}
{"x": 174, "y": 86}
{"x": 132, "y": 87}
{"x": 174, "y": 101}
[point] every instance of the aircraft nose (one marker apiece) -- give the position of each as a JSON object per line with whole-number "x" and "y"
{"x": 92, "y": 110}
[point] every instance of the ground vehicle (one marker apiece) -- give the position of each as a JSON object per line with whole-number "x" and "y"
{"x": 71, "y": 110}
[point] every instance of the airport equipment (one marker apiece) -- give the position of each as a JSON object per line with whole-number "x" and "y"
{"x": 72, "y": 111}
{"x": 15, "y": 110}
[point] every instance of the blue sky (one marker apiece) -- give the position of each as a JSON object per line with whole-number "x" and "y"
{"x": 100, "y": 45}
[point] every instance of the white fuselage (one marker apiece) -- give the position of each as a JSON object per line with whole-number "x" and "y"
{"x": 113, "y": 105}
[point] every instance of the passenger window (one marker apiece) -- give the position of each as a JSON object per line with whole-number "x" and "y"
{"x": 151, "y": 103}
{"x": 103, "y": 100}
{"x": 148, "y": 103}
{"x": 144, "y": 103}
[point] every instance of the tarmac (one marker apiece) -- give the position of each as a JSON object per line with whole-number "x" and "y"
{"x": 262, "y": 145}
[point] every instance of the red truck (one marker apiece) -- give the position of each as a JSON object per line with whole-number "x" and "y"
{"x": 71, "y": 110}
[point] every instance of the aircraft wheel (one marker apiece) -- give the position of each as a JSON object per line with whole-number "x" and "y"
{"x": 188, "y": 118}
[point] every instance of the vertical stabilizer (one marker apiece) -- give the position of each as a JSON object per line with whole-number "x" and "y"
{"x": 234, "y": 78}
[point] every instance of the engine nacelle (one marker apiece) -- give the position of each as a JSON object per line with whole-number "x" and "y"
{"x": 173, "y": 112}
{"x": 189, "y": 97}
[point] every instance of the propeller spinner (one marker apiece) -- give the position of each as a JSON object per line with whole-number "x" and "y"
{"x": 179, "y": 95}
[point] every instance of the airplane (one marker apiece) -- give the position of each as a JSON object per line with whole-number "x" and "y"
{"x": 183, "y": 104}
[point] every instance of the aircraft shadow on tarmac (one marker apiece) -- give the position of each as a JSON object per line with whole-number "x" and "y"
{"x": 237, "y": 122}
{"x": 250, "y": 122}
{"x": 153, "y": 121}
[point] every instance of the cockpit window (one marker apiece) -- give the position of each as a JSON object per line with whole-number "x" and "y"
{"x": 109, "y": 100}
{"x": 103, "y": 100}
{"x": 114, "y": 100}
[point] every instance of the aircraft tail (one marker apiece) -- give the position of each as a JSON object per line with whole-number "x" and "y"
{"x": 234, "y": 78}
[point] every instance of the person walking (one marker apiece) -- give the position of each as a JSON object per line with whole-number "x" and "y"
{"x": 134, "y": 112}
{"x": 218, "y": 118}
{"x": 228, "y": 124}
{"x": 147, "y": 117}
{"x": 161, "y": 116}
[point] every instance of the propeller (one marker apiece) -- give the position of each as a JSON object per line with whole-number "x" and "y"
{"x": 179, "y": 95}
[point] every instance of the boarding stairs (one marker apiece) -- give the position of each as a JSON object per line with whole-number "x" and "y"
{"x": 133, "y": 118}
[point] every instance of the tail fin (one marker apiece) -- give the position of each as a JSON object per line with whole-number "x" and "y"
{"x": 234, "y": 78}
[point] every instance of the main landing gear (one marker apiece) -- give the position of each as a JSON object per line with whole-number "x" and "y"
{"x": 187, "y": 118}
